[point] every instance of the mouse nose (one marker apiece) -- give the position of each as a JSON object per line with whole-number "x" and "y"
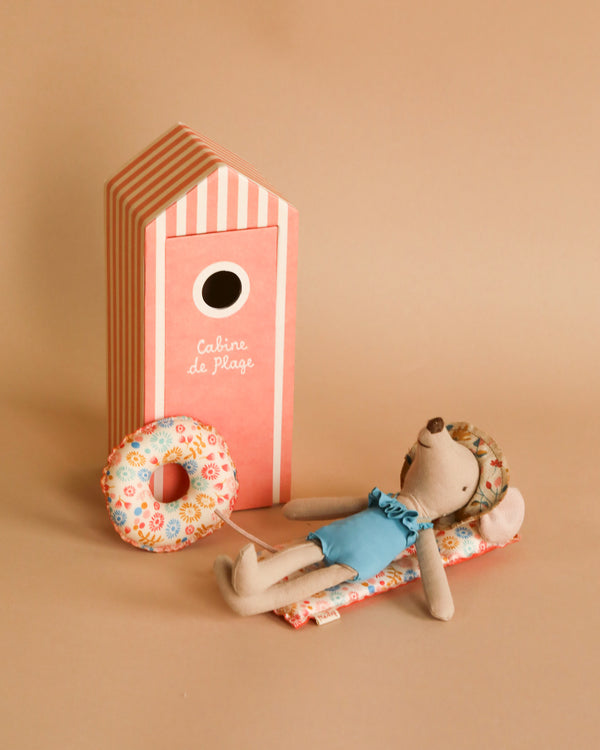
{"x": 435, "y": 425}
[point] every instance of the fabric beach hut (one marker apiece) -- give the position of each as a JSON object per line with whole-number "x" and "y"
{"x": 201, "y": 258}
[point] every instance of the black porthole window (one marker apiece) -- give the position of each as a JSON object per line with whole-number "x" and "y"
{"x": 222, "y": 289}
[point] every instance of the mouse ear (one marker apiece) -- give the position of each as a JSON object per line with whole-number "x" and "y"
{"x": 504, "y": 520}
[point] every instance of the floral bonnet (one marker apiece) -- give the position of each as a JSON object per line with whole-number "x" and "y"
{"x": 493, "y": 474}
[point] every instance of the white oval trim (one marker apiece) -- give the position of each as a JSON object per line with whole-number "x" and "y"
{"x": 220, "y": 312}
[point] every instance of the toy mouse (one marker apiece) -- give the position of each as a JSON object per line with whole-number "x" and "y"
{"x": 452, "y": 475}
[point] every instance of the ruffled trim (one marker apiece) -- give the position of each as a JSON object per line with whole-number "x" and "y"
{"x": 399, "y": 512}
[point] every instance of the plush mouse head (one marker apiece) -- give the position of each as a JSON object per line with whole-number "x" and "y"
{"x": 444, "y": 458}
{"x": 443, "y": 474}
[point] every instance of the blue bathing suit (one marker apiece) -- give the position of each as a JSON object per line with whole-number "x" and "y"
{"x": 368, "y": 541}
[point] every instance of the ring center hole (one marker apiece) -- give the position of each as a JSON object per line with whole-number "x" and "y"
{"x": 175, "y": 481}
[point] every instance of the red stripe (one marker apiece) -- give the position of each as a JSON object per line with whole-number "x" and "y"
{"x": 121, "y": 328}
{"x": 159, "y": 200}
{"x": 163, "y": 156}
{"x": 233, "y": 182}
{"x": 252, "y": 205}
{"x": 272, "y": 210}
{"x": 114, "y": 290}
{"x": 212, "y": 191}
{"x": 127, "y": 172}
{"x": 172, "y": 220}
{"x": 191, "y": 210}
{"x": 129, "y": 334}
{"x": 231, "y": 159}
{"x": 174, "y": 166}
{"x": 138, "y": 374}
{"x": 109, "y": 317}
{"x": 150, "y": 322}
{"x": 289, "y": 349}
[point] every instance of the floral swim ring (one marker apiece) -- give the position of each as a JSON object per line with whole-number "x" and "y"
{"x": 142, "y": 520}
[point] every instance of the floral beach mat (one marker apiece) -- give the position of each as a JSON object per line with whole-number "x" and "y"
{"x": 456, "y": 545}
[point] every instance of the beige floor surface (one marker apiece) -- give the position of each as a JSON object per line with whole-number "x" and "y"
{"x": 109, "y": 646}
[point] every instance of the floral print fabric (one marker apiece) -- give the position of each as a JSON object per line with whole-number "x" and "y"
{"x": 456, "y": 545}
{"x": 138, "y": 517}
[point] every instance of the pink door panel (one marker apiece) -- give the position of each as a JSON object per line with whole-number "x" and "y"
{"x": 220, "y": 344}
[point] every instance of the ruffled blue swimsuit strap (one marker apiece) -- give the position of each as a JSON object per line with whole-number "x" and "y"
{"x": 399, "y": 512}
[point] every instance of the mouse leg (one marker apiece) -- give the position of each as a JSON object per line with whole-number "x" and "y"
{"x": 250, "y": 576}
{"x": 280, "y": 594}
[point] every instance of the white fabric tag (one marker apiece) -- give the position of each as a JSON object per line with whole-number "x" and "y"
{"x": 322, "y": 618}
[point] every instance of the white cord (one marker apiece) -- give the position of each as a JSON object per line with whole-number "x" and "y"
{"x": 245, "y": 533}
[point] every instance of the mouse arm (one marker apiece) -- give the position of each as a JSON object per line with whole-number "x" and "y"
{"x": 433, "y": 575}
{"x": 323, "y": 508}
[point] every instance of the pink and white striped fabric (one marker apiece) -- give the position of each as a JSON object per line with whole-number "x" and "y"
{"x": 184, "y": 185}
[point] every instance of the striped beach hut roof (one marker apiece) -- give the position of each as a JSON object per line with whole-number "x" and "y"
{"x": 167, "y": 169}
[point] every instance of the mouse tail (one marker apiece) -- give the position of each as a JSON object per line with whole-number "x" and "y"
{"x": 245, "y": 533}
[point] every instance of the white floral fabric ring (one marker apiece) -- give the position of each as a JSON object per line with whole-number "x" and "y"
{"x": 142, "y": 520}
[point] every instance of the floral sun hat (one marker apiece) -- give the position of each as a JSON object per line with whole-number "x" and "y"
{"x": 493, "y": 474}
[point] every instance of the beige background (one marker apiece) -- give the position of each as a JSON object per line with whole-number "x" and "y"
{"x": 444, "y": 158}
